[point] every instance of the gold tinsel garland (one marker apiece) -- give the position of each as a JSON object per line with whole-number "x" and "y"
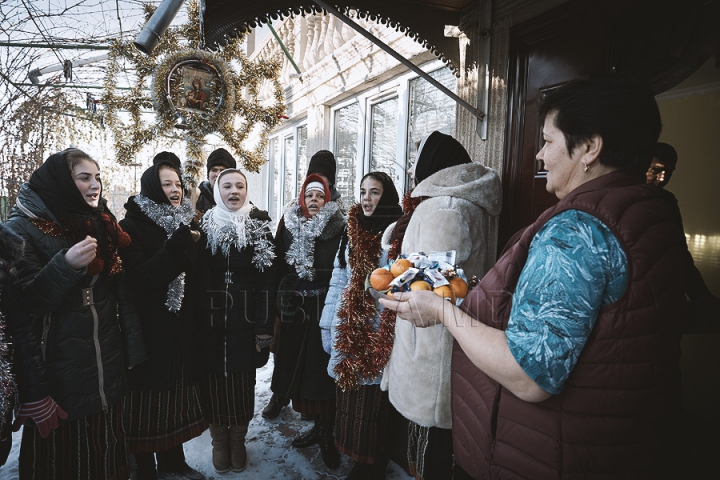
{"x": 232, "y": 117}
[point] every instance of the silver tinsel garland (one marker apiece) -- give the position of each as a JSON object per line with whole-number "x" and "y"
{"x": 301, "y": 253}
{"x": 7, "y": 382}
{"x": 256, "y": 233}
{"x": 169, "y": 218}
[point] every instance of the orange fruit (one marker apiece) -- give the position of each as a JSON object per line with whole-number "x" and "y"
{"x": 400, "y": 266}
{"x": 420, "y": 285}
{"x": 380, "y": 279}
{"x": 459, "y": 287}
{"x": 445, "y": 292}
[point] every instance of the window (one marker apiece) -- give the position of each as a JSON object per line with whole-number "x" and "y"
{"x": 383, "y": 139}
{"x": 287, "y": 163}
{"x": 429, "y": 110}
{"x": 274, "y": 165}
{"x": 347, "y": 125}
{"x": 301, "y": 155}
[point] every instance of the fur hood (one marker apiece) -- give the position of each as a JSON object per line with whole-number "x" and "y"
{"x": 471, "y": 181}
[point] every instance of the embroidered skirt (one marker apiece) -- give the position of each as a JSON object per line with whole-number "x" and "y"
{"x": 229, "y": 400}
{"x": 89, "y": 447}
{"x": 361, "y": 423}
{"x": 160, "y": 420}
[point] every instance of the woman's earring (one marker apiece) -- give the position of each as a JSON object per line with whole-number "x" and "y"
{"x": 586, "y": 167}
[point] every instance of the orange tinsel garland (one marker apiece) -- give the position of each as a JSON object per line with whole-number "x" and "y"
{"x": 356, "y": 340}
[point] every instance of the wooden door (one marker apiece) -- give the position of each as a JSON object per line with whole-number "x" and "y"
{"x": 546, "y": 52}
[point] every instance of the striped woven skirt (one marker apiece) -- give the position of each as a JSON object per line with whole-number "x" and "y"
{"x": 160, "y": 420}
{"x": 229, "y": 400}
{"x": 89, "y": 447}
{"x": 313, "y": 407}
{"x": 361, "y": 423}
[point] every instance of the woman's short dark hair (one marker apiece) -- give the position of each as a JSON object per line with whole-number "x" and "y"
{"x": 620, "y": 109}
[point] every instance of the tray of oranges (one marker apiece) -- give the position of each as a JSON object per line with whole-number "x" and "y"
{"x": 417, "y": 271}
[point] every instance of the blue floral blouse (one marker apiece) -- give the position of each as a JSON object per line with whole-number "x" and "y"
{"x": 575, "y": 266}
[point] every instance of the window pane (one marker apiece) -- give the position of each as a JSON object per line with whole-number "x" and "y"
{"x": 274, "y": 163}
{"x": 383, "y": 140}
{"x": 346, "y": 137}
{"x": 302, "y": 160}
{"x": 289, "y": 160}
{"x": 430, "y": 110}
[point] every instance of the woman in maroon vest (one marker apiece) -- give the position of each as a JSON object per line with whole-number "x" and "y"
{"x": 567, "y": 350}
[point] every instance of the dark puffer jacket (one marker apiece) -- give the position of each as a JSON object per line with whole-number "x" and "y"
{"x": 610, "y": 420}
{"x": 76, "y": 316}
{"x": 169, "y": 336}
{"x": 205, "y": 200}
{"x": 231, "y": 317}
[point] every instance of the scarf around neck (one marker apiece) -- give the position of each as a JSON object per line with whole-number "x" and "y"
{"x": 169, "y": 219}
{"x": 305, "y": 231}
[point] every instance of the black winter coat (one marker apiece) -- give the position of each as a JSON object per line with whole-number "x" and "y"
{"x": 301, "y": 362}
{"x": 205, "y": 200}
{"x": 233, "y": 314}
{"x": 170, "y": 338}
{"x": 82, "y": 368}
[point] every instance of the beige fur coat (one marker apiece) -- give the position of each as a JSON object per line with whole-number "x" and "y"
{"x": 462, "y": 200}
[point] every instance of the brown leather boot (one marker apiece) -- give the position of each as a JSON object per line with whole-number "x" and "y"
{"x": 238, "y": 454}
{"x": 221, "y": 448}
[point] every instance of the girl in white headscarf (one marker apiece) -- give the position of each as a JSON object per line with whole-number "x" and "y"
{"x": 237, "y": 279}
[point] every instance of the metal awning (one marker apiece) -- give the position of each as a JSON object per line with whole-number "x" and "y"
{"x": 421, "y": 20}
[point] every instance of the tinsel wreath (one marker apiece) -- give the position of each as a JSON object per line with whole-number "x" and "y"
{"x": 357, "y": 343}
{"x": 386, "y": 332}
{"x": 247, "y": 99}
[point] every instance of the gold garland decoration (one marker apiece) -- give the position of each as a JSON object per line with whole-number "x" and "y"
{"x": 232, "y": 113}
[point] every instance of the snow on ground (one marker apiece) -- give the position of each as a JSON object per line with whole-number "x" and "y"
{"x": 270, "y": 454}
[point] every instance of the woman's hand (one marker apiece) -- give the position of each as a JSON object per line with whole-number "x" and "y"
{"x": 421, "y": 308}
{"x": 82, "y": 253}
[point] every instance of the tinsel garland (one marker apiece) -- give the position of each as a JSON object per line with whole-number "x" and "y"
{"x": 256, "y": 235}
{"x": 388, "y": 317}
{"x": 301, "y": 253}
{"x": 236, "y": 111}
{"x": 169, "y": 219}
{"x": 7, "y": 382}
{"x": 97, "y": 265}
{"x": 357, "y": 341}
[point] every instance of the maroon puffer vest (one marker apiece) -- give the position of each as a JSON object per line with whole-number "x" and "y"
{"x": 609, "y": 419}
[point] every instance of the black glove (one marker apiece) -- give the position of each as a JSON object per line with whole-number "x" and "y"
{"x": 180, "y": 240}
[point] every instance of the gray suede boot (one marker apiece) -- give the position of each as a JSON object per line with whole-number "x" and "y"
{"x": 221, "y": 448}
{"x": 238, "y": 454}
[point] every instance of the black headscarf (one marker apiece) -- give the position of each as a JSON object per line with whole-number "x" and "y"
{"x": 150, "y": 185}
{"x": 388, "y": 208}
{"x": 437, "y": 152}
{"x": 55, "y": 185}
{"x": 386, "y": 212}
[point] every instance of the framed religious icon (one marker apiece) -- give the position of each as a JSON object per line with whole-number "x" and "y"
{"x": 196, "y": 89}
{"x": 194, "y": 86}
